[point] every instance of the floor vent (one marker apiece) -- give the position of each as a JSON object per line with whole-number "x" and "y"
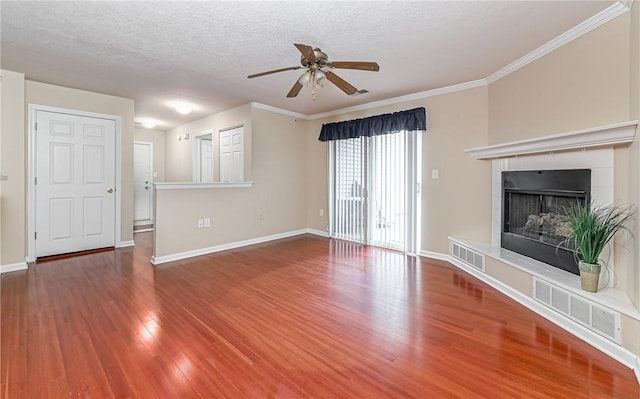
{"x": 468, "y": 256}
{"x": 603, "y": 321}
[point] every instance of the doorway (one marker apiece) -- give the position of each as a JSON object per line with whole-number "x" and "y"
{"x": 203, "y": 157}
{"x": 374, "y": 189}
{"x": 142, "y": 180}
{"x": 74, "y": 198}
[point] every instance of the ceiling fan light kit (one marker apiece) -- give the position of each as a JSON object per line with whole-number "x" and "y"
{"x": 313, "y": 59}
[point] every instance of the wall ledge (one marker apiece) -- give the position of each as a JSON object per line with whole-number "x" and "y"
{"x": 603, "y": 136}
{"x": 191, "y": 186}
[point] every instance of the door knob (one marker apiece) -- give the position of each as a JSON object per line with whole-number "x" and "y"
{"x": 146, "y": 187}
{"x": 110, "y": 190}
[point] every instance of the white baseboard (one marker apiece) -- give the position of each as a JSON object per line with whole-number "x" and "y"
{"x": 636, "y": 369}
{"x": 142, "y": 231}
{"x": 606, "y": 346}
{"x": 123, "y": 244}
{"x": 156, "y": 260}
{"x": 318, "y": 232}
{"x": 435, "y": 255}
{"x": 13, "y": 267}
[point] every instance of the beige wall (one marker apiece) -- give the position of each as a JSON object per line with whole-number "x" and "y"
{"x": 276, "y": 203}
{"x": 590, "y": 82}
{"x": 178, "y": 156}
{"x": 157, "y": 137}
{"x": 63, "y": 97}
{"x": 12, "y": 164}
{"x": 581, "y": 85}
{"x": 459, "y": 202}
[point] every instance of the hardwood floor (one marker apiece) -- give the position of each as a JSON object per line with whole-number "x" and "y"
{"x": 304, "y": 317}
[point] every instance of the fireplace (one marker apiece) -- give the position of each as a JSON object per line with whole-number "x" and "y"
{"x": 533, "y": 219}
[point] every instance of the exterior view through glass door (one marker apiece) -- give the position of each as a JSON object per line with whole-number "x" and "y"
{"x": 374, "y": 190}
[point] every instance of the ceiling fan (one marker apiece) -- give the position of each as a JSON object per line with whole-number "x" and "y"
{"x": 317, "y": 64}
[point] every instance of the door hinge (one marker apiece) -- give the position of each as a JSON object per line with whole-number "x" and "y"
{"x": 36, "y": 126}
{"x": 35, "y": 236}
{"x": 35, "y": 182}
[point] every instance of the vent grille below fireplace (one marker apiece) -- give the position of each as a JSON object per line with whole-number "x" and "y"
{"x": 602, "y": 321}
{"x": 468, "y": 256}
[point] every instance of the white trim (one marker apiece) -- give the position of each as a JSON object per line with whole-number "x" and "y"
{"x": 189, "y": 185}
{"x": 636, "y": 368}
{"x": 606, "y": 346}
{"x": 318, "y": 232}
{"x": 435, "y": 255}
{"x": 13, "y": 267}
{"x": 124, "y": 244}
{"x": 376, "y": 104}
{"x": 31, "y": 172}
{"x": 279, "y": 110}
{"x": 609, "y": 135}
{"x": 156, "y": 260}
{"x": 577, "y": 31}
{"x": 402, "y": 99}
{"x": 143, "y": 230}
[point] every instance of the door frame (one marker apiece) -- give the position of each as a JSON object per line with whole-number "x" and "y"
{"x": 31, "y": 173}
{"x": 195, "y": 154}
{"x": 151, "y": 213}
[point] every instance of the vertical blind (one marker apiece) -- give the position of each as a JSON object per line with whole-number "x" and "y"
{"x": 374, "y": 190}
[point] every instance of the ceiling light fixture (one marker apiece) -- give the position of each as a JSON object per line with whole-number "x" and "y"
{"x": 313, "y": 77}
{"x": 149, "y": 123}
{"x": 183, "y": 109}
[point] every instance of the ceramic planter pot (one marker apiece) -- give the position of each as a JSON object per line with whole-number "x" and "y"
{"x": 589, "y": 276}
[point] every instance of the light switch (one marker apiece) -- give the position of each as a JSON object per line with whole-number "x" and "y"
{"x": 435, "y": 173}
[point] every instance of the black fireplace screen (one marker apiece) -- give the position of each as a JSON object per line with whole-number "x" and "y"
{"x": 540, "y": 216}
{"x": 534, "y": 223}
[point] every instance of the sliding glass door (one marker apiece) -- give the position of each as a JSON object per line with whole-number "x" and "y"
{"x": 374, "y": 196}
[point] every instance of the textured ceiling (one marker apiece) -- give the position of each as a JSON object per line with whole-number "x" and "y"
{"x": 202, "y": 52}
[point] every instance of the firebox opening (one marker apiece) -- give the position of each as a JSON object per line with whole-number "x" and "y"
{"x": 533, "y": 220}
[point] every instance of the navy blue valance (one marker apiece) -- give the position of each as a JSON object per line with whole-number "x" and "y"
{"x": 413, "y": 119}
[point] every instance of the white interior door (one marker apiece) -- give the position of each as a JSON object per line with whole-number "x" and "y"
{"x": 142, "y": 172}
{"x": 75, "y": 183}
{"x": 206, "y": 161}
{"x": 231, "y": 155}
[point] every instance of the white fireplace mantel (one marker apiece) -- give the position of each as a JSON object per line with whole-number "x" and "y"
{"x": 609, "y": 135}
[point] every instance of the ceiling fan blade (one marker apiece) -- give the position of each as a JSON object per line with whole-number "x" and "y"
{"x": 307, "y": 51}
{"x": 341, "y": 83}
{"x": 256, "y": 75}
{"x": 295, "y": 90}
{"x": 363, "y": 66}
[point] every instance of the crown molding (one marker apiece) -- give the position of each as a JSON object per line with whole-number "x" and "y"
{"x": 375, "y": 104}
{"x": 609, "y": 135}
{"x": 279, "y": 110}
{"x": 587, "y": 26}
{"x": 402, "y": 99}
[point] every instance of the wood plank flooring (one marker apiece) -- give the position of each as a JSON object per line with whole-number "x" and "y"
{"x": 304, "y": 317}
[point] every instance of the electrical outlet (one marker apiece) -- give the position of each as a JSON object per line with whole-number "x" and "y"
{"x": 200, "y": 223}
{"x": 207, "y": 222}
{"x": 321, "y": 212}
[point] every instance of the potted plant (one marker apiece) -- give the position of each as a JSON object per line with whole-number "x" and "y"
{"x": 593, "y": 227}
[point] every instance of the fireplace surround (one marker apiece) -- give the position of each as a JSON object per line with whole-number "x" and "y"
{"x": 533, "y": 213}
